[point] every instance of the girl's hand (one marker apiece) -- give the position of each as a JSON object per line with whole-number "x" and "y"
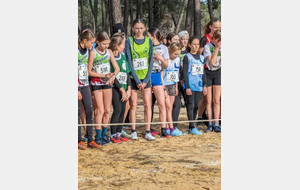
{"x": 188, "y": 91}
{"x": 109, "y": 75}
{"x": 140, "y": 86}
{"x": 157, "y": 56}
{"x": 128, "y": 92}
{"x": 176, "y": 92}
{"x": 124, "y": 95}
{"x": 111, "y": 80}
{"x": 79, "y": 96}
{"x": 204, "y": 90}
{"x": 144, "y": 85}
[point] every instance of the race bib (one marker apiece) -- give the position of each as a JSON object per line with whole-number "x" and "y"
{"x": 156, "y": 65}
{"x": 172, "y": 76}
{"x": 122, "y": 77}
{"x": 197, "y": 69}
{"x": 103, "y": 69}
{"x": 140, "y": 64}
{"x": 218, "y": 61}
{"x": 82, "y": 73}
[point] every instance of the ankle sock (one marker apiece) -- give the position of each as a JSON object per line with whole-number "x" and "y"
{"x": 98, "y": 134}
{"x": 104, "y": 131}
{"x": 171, "y": 130}
{"x": 148, "y": 132}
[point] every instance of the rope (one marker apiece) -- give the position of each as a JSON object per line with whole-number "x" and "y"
{"x": 153, "y": 123}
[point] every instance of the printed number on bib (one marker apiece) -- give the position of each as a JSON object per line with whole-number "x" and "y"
{"x": 103, "y": 69}
{"x": 122, "y": 77}
{"x": 140, "y": 64}
{"x": 172, "y": 76}
{"x": 197, "y": 69}
{"x": 82, "y": 72}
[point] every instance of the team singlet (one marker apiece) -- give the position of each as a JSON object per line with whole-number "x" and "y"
{"x": 124, "y": 70}
{"x": 209, "y": 49}
{"x": 83, "y": 78}
{"x": 164, "y": 52}
{"x": 101, "y": 65}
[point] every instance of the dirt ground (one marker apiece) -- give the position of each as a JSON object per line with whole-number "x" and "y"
{"x": 185, "y": 162}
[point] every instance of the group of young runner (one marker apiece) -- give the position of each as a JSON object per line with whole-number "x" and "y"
{"x": 111, "y": 70}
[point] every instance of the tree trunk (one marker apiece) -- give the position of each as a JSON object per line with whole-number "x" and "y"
{"x": 131, "y": 15}
{"x": 126, "y": 15}
{"x": 189, "y": 15}
{"x": 91, "y": 6}
{"x": 82, "y": 12}
{"x": 103, "y": 15}
{"x": 209, "y": 5}
{"x": 116, "y": 11}
{"x": 110, "y": 11}
{"x": 181, "y": 16}
{"x": 150, "y": 12}
{"x": 197, "y": 18}
{"x": 95, "y": 14}
{"x": 138, "y": 9}
{"x": 156, "y": 13}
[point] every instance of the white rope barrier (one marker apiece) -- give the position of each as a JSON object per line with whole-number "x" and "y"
{"x": 152, "y": 123}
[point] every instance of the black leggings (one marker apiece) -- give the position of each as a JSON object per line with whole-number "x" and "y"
{"x": 192, "y": 102}
{"x": 177, "y": 104}
{"x": 119, "y": 110}
{"x": 87, "y": 104}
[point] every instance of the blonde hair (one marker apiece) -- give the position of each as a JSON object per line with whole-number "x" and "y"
{"x": 116, "y": 40}
{"x": 173, "y": 47}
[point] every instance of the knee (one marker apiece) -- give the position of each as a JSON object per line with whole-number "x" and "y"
{"x": 208, "y": 101}
{"x": 216, "y": 101}
{"x": 147, "y": 105}
{"x": 99, "y": 112}
{"x": 106, "y": 112}
{"x": 161, "y": 107}
{"x": 133, "y": 106}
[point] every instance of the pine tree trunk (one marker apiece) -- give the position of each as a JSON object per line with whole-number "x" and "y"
{"x": 156, "y": 13}
{"x": 181, "y": 16}
{"x": 82, "y": 12}
{"x": 138, "y": 9}
{"x": 131, "y": 15}
{"x": 92, "y": 10}
{"x": 96, "y": 14}
{"x": 211, "y": 15}
{"x": 116, "y": 11}
{"x": 126, "y": 15}
{"x": 103, "y": 15}
{"x": 197, "y": 18}
{"x": 189, "y": 15}
{"x": 150, "y": 12}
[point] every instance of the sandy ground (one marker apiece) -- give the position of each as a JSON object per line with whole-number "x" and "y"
{"x": 185, "y": 162}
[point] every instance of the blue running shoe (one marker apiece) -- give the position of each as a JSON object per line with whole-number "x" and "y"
{"x": 106, "y": 139}
{"x": 176, "y": 133}
{"x": 194, "y": 131}
{"x": 209, "y": 129}
{"x": 217, "y": 129}
{"x": 181, "y": 133}
{"x": 168, "y": 131}
{"x": 101, "y": 142}
{"x": 85, "y": 138}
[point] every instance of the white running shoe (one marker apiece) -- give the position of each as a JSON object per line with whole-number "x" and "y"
{"x": 149, "y": 137}
{"x": 134, "y": 136}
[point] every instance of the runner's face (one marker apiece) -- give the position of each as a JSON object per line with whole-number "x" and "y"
{"x": 175, "y": 39}
{"x": 88, "y": 43}
{"x": 175, "y": 54}
{"x": 103, "y": 45}
{"x": 121, "y": 47}
{"x": 184, "y": 39}
{"x": 138, "y": 29}
{"x": 215, "y": 26}
{"x": 195, "y": 45}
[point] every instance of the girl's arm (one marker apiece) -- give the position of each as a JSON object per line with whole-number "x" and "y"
{"x": 185, "y": 70}
{"x": 114, "y": 63}
{"x": 128, "y": 58}
{"x": 146, "y": 80}
{"x": 90, "y": 66}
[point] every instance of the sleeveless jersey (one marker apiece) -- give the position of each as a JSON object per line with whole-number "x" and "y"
{"x": 208, "y": 40}
{"x": 140, "y": 57}
{"x": 209, "y": 49}
{"x": 171, "y": 74}
{"x": 195, "y": 67}
{"x": 101, "y": 65}
{"x": 124, "y": 70}
{"x": 82, "y": 69}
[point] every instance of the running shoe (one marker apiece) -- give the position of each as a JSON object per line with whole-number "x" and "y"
{"x": 149, "y": 137}
{"x": 106, "y": 138}
{"x": 134, "y": 136}
{"x": 200, "y": 122}
{"x": 122, "y": 138}
{"x": 168, "y": 131}
{"x": 209, "y": 129}
{"x": 115, "y": 139}
{"x": 101, "y": 142}
{"x": 165, "y": 134}
{"x": 93, "y": 144}
{"x": 125, "y": 134}
{"x": 153, "y": 132}
{"x": 176, "y": 133}
{"x": 217, "y": 129}
{"x": 81, "y": 146}
{"x": 194, "y": 131}
{"x": 182, "y": 133}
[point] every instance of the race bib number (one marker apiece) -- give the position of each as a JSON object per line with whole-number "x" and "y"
{"x": 122, "y": 77}
{"x": 218, "y": 61}
{"x": 140, "y": 64}
{"x": 156, "y": 65}
{"x": 172, "y": 76}
{"x": 82, "y": 73}
{"x": 103, "y": 69}
{"x": 197, "y": 69}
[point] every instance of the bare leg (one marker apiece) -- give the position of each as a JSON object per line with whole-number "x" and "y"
{"x": 107, "y": 99}
{"x": 160, "y": 98}
{"x": 216, "y": 100}
{"x": 209, "y": 102}
{"x": 99, "y": 107}
{"x": 147, "y": 99}
{"x": 133, "y": 106}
